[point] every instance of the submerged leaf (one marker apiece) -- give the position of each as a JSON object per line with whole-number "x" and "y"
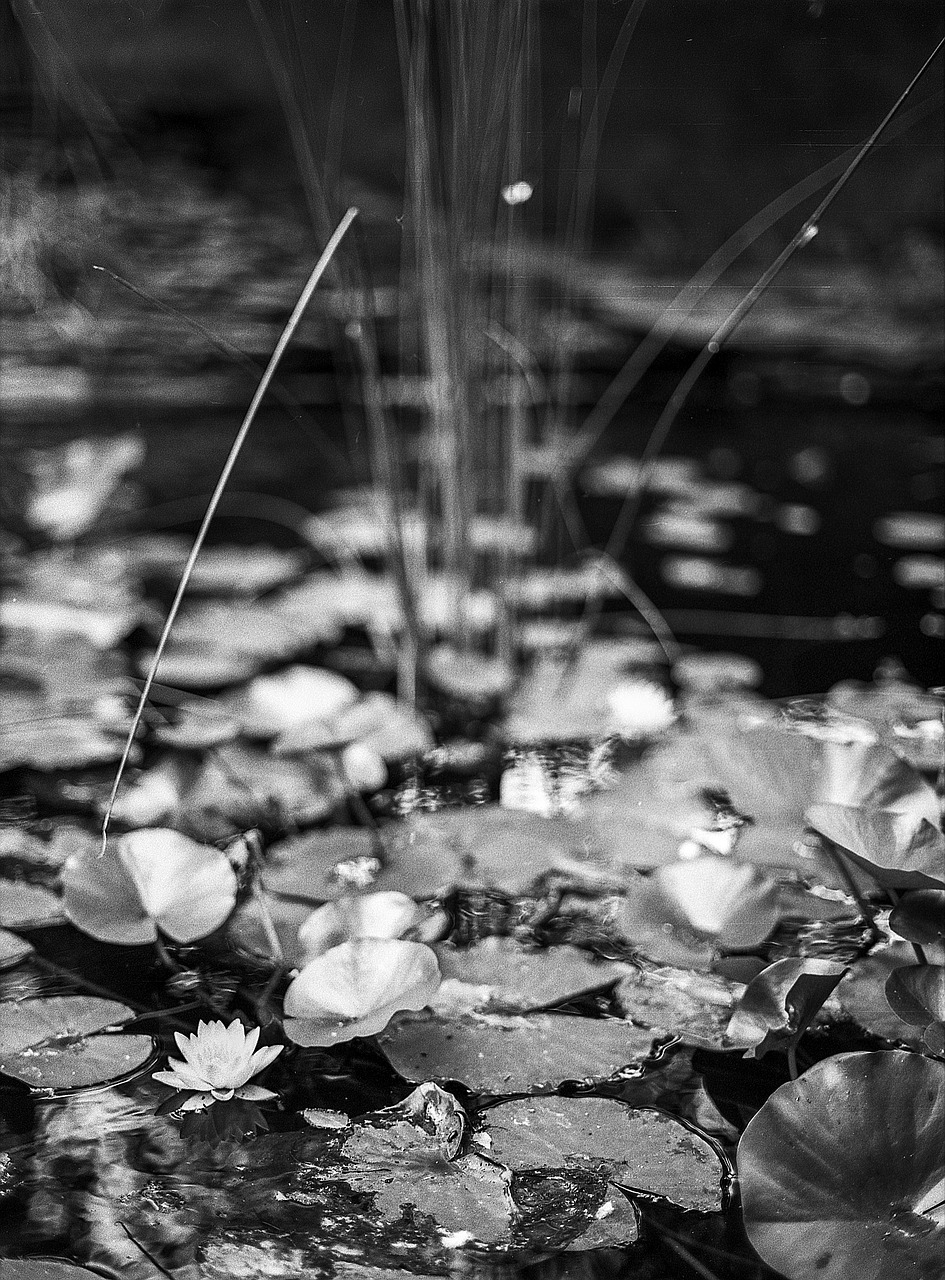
{"x": 842, "y": 1170}
{"x": 51, "y": 1043}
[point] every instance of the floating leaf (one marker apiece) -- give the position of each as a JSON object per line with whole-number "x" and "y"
{"x": 639, "y": 1149}
{"x": 670, "y": 1001}
{"x": 501, "y": 974}
{"x": 774, "y": 775}
{"x": 43, "y": 1269}
{"x": 57, "y": 741}
{"x": 780, "y": 1003}
{"x": 841, "y": 1171}
{"x": 240, "y": 787}
{"x": 25, "y": 906}
{"x": 271, "y": 705}
{"x": 506, "y": 1054}
{"x": 712, "y": 900}
{"x": 355, "y": 989}
{"x": 243, "y": 570}
{"x": 323, "y": 865}
{"x": 200, "y": 723}
{"x": 916, "y": 992}
{"x": 73, "y": 482}
{"x": 13, "y": 950}
{"x": 369, "y": 915}
{"x": 52, "y": 1043}
{"x": 861, "y": 996}
{"x": 378, "y": 721}
{"x": 218, "y": 644}
{"x": 899, "y": 850}
{"x": 919, "y": 916}
{"x": 145, "y": 881}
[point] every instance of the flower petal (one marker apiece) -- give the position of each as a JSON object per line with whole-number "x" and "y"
{"x": 262, "y": 1058}
{"x": 255, "y": 1093}
{"x": 185, "y": 1073}
{"x": 197, "y": 1102}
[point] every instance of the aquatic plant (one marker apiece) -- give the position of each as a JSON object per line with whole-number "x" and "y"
{"x": 217, "y": 1064}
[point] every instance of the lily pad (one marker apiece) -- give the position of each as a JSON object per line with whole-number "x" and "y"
{"x": 705, "y": 902}
{"x": 507, "y": 976}
{"x": 378, "y": 721}
{"x": 52, "y": 1043}
{"x": 898, "y": 850}
{"x": 354, "y": 989}
{"x": 148, "y": 880}
{"x": 916, "y": 992}
{"x": 276, "y": 704}
{"x": 323, "y": 865}
{"x": 511, "y": 1054}
{"x": 774, "y": 775}
{"x": 42, "y": 1269}
{"x": 842, "y": 1170}
{"x": 919, "y": 916}
{"x": 13, "y": 950}
{"x": 670, "y": 1001}
{"x": 640, "y": 1149}
{"x": 241, "y": 786}
{"x": 25, "y": 906}
{"x": 780, "y": 1003}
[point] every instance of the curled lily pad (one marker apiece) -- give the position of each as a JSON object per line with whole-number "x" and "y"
{"x": 919, "y": 916}
{"x": 722, "y": 903}
{"x": 490, "y": 1053}
{"x": 355, "y": 989}
{"x": 780, "y": 1004}
{"x": 368, "y": 915}
{"x": 916, "y": 992}
{"x": 53, "y": 1043}
{"x": 842, "y": 1170}
{"x": 13, "y": 950}
{"x": 149, "y": 880}
{"x": 898, "y": 850}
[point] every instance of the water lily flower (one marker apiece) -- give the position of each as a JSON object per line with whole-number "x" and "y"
{"x": 217, "y": 1065}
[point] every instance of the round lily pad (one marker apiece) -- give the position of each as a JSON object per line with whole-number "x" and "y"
{"x": 841, "y": 1171}
{"x": 640, "y": 1149}
{"x": 52, "y": 1043}
{"x": 500, "y": 973}
{"x": 492, "y": 1054}
{"x": 25, "y": 906}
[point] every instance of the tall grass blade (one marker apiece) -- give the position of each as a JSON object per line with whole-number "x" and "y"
{"x": 287, "y": 334}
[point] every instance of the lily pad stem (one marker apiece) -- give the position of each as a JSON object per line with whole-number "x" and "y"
{"x": 866, "y": 911}
{"x": 792, "y": 1060}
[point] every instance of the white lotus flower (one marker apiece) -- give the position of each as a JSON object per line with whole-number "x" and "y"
{"x": 218, "y": 1063}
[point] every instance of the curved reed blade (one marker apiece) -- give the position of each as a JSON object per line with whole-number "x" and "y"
{"x": 287, "y": 334}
